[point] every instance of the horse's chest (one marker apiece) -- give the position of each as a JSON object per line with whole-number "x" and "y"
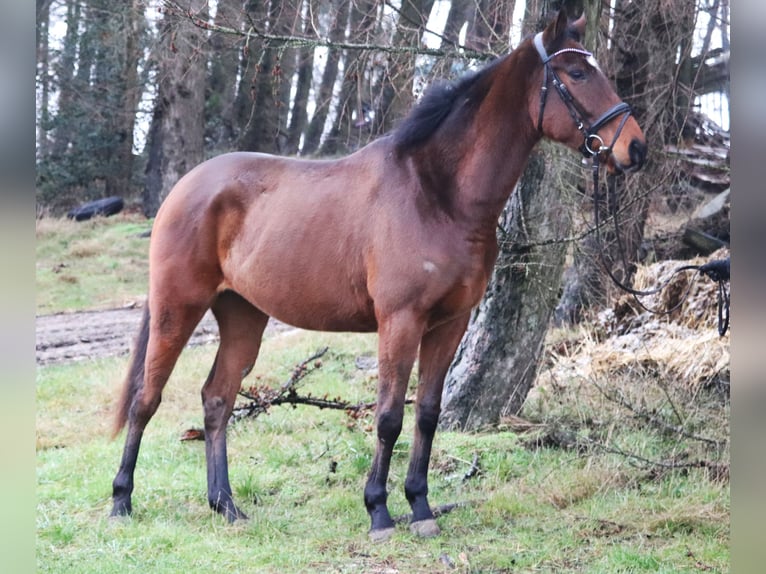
{"x": 464, "y": 294}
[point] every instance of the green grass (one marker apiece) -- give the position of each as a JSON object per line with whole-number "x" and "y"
{"x": 530, "y": 510}
{"x": 568, "y": 507}
{"x": 99, "y": 263}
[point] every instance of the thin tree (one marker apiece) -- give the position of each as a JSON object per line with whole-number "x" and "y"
{"x": 221, "y": 85}
{"x": 338, "y": 20}
{"x": 394, "y": 92}
{"x": 304, "y": 75}
{"x": 352, "y": 126}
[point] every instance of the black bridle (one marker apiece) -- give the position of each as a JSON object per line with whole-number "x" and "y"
{"x": 593, "y": 147}
{"x": 590, "y": 133}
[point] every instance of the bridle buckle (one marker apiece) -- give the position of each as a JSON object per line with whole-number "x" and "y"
{"x": 602, "y": 147}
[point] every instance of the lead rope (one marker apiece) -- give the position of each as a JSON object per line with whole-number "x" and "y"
{"x": 718, "y": 270}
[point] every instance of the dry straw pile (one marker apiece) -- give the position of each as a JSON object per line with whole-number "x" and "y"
{"x": 683, "y": 347}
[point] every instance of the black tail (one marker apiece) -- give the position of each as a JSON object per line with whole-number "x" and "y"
{"x": 135, "y": 379}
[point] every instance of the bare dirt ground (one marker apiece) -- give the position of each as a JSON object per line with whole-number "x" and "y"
{"x": 66, "y": 337}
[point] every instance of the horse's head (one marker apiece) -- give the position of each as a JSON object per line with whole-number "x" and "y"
{"x": 576, "y": 105}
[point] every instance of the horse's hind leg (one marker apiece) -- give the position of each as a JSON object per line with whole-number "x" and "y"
{"x": 241, "y": 327}
{"x": 170, "y": 326}
{"x": 437, "y": 349}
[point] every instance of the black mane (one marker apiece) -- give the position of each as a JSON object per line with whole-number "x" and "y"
{"x": 434, "y": 107}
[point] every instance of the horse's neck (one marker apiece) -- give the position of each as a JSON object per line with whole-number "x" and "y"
{"x": 486, "y": 163}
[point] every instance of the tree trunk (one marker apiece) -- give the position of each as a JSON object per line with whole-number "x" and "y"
{"x": 490, "y": 26}
{"x": 123, "y": 93}
{"x": 460, "y": 13}
{"x": 351, "y": 129}
{"x": 265, "y": 130}
{"x": 497, "y": 360}
{"x": 244, "y": 101}
{"x": 289, "y": 21}
{"x": 339, "y": 18}
{"x": 299, "y": 116}
{"x": 222, "y": 79}
{"x": 176, "y": 139}
{"x": 43, "y": 77}
{"x": 395, "y": 94}
{"x": 65, "y": 74}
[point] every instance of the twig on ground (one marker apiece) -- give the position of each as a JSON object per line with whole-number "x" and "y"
{"x": 263, "y": 397}
{"x": 652, "y": 419}
{"x": 475, "y": 470}
{"x": 672, "y": 464}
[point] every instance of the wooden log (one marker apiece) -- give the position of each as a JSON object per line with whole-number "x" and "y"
{"x": 701, "y": 242}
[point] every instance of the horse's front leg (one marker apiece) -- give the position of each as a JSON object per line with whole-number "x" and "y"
{"x": 437, "y": 349}
{"x": 397, "y": 347}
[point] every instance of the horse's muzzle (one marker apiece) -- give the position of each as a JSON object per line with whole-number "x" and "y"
{"x": 637, "y": 151}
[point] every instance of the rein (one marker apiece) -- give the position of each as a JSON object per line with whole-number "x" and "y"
{"x": 717, "y": 270}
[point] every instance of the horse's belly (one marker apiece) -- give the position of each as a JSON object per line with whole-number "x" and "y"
{"x": 355, "y": 324}
{"x": 318, "y": 315}
{"x": 307, "y": 299}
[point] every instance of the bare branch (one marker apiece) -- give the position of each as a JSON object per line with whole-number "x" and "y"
{"x": 263, "y": 397}
{"x": 655, "y": 421}
{"x": 670, "y": 464}
{"x": 296, "y": 41}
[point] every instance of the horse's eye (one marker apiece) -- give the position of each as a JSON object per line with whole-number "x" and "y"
{"x": 577, "y": 74}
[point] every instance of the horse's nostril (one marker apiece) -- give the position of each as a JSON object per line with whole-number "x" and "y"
{"x": 637, "y": 151}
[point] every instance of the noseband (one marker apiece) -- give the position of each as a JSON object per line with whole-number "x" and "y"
{"x": 593, "y": 145}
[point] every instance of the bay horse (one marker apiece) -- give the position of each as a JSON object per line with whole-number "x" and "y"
{"x": 398, "y": 238}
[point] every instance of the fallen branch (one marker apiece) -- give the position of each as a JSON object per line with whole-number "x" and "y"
{"x": 716, "y": 469}
{"x": 263, "y": 397}
{"x": 665, "y": 427}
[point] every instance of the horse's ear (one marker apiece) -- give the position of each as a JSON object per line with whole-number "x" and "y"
{"x": 579, "y": 26}
{"x": 556, "y": 29}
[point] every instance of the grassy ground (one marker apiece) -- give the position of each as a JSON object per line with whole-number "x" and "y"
{"x": 99, "y": 263}
{"x": 579, "y": 485}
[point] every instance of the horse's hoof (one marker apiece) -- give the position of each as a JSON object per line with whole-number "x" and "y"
{"x": 234, "y": 514}
{"x": 382, "y": 534}
{"x": 226, "y": 508}
{"x": 120, "y": 509}
{"x": 425, "y": 528}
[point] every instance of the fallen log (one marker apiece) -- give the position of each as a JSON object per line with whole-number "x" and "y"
{"x": 701, "y": 242}
{"x": 104, "y": 207}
